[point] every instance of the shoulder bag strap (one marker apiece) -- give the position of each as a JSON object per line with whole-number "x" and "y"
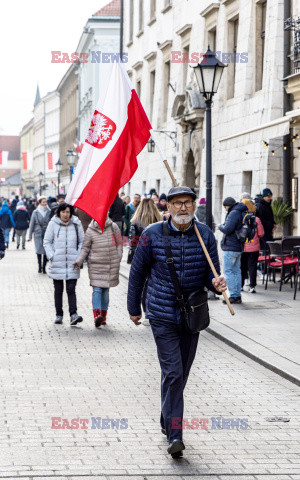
{"x": 171, "y": 267}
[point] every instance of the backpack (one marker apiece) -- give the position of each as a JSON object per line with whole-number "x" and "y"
{"x": 248, "y": 229}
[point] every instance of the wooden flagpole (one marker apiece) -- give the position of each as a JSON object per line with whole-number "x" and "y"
{"x": 196, "y": 229}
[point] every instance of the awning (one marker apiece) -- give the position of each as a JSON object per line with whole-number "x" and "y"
{"x": 266, "y": 132}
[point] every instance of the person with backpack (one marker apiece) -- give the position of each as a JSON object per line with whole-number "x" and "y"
{"x": 6, "y": 221}
{"x": 251, "y": 248}
{"x": 103, "y": 250}
{"x": 22, "y": 219}
{"x": 62, "y": 242}
{"x": 232, "y": 247}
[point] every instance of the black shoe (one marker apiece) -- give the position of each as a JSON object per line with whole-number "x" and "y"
{"x": 59, "y": 319}
{"x": 23, "y": 248}
{"x": 40, "y": 270}
{"x": 177, "y": 455}
{"x": 234, "y": 300}
{"x": 18, "y": 247}
{"x": 75, "y": 319}
{"x": 44, "y": 270}
{"x": 164, "y": 431}
{"x": 176, "y": 446}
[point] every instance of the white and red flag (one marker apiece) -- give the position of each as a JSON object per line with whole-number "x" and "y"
{"x": 50, "y": 160}
{"x": 27, "y": 158}
{"x": 118, "y": 132}
{"x": 3, "y": 158}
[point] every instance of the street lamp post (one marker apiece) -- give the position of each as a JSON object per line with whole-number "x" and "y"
{"x": 40, "y": 180}
{"x": 58, "y": 167}
{"x": 208, "y": 74}
{"x": 71, "y": 158}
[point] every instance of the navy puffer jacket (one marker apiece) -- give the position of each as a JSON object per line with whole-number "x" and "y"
{"x": 233, "y": 222}
{"x": 192, "y": 269}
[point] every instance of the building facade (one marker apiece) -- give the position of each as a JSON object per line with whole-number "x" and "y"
{"x": 46, "y": 141}
{"x": 164, "y": 39}
{"x": 100, "y": 39}
{"x": 26, "y": 143}
{"x": 10, "y": 179}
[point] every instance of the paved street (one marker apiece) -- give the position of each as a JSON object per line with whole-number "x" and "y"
{"x": 113, "y": 373}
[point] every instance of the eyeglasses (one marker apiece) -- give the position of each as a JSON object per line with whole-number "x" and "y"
{"x": 187, "y": 204}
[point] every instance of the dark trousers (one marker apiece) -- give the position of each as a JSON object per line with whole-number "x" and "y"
{"x": 249, "y": 264}
{"x": 39, "y": 257}
{"x": 58, "y": 296}
{"x": 176, "y": 351}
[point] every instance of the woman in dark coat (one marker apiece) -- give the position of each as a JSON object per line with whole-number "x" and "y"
{"x": 38, "y": 225}
{"x": 6, "y": 221}
{"x": 2, "y": 245}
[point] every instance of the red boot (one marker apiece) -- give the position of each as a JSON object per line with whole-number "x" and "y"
{"x": 97, "y": 317}
{"x": 103, "y": 315}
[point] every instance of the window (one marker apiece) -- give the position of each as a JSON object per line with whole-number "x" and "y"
{"x": 261, "y": 9}
{"x": 139, "y": 88}
{"x": 158, "y": 186}
{"x": 233, "y": 28}
{"x": 167, "y": 3}
{"x": 212, "y": 39}
{"x": 166, "y": 80}
{"x": 144, "y": 187}
{"x": 151, "y": 91}
{"x": 141, "y": 16}
{"x": 185, "y": 65}
{"x": 247, "y": 182}
{"x": 128, "y": 188}
{"x": 131, "y": 20}
{"x": 219, "y": 198}
{"x": 152, "y": 9}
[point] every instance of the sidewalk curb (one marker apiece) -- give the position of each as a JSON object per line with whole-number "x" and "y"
{"x": 282, "y": 373}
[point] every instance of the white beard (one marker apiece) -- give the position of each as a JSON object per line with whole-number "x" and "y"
{"x": 183, "y": 219}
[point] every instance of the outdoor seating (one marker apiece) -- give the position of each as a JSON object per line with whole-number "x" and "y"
{"x": 283, "y": 261}
{"x": 297, "y": 276}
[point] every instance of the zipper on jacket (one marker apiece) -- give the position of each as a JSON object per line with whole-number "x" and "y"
{"x": 182, "y": 260}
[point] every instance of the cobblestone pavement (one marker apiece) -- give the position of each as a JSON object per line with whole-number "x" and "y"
{"x": 57, "y": 371}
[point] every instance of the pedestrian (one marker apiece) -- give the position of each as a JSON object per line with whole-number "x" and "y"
{"x": 126, "y": 200}
{"x": 176, "y": 346}
{"x": 2, "y": 245}
{"x": 201, "y": 213}
{"x": 13, "y": 207}
{"x": 37, "y": 227}
{"x": 265, "y": 213}
{"x": 162, "y": 204}
{"x": 103, "y": 251}
{"x": 6, "y": 221}
{"x": 61, "y": 198}
{"x": 251, "y": 250}
{"x": 53, "y": 205}
{"x": 129, "y": 212}
{"x": 232, "y": 247}
{"x": 117, "y": 211}
{"x": 155, "y": 198}
{"x": 62, "y": 242}
{"x": 22, "y": 220}
{"x": 146, "y": 214}
{"x": 31, "y": 207}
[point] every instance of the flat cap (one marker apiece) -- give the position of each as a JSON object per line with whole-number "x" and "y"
{"x": 176, "y": 191}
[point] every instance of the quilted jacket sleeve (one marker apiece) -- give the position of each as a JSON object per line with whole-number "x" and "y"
{"x": 49, "y": 240}
{"x": 140, "y": 269}
{"x": 85, "y": 249}
{"x": 231, "y": 223}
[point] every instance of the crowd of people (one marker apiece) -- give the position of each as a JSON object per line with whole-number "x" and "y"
{"x": 169, "y": 271}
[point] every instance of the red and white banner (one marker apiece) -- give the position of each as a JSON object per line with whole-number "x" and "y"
{"x": 3, "y": 158}
{"x": 119, "y": 131}
{"x": 27, "y": 158}
{"x": 50, "y": 160}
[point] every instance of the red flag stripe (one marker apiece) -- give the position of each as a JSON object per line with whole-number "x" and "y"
{"x": 24, "y": 156}
{"x": 119, "y": 166}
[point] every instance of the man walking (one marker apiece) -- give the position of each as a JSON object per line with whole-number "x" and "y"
{"x": 129, "y": 212}
{"x": 233, "y": 247}
{"x": 176, "y": 347}
{"x": 117, "y": 211}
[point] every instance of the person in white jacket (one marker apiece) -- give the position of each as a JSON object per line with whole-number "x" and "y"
{"x": 62, "y": 242}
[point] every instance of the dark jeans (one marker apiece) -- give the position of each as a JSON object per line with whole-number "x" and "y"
{"x": 176, "y": 351}
{"x": 249, "y": 264}
{"x": 58, "y": 296}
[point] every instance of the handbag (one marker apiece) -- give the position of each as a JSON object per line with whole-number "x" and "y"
{"x": 193, "y": 306}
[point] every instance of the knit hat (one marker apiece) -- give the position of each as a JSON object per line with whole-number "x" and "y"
{"x": 228, "y": 202}
{"x": 245, "y": 195}
{"x": 266, "y": 192}
{"x": 20, "y": 204}
{"x": 202, "y": 201}
{"x": 163, "y": 196}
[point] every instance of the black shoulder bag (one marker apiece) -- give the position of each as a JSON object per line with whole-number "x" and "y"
{"x": 193, "y": 306}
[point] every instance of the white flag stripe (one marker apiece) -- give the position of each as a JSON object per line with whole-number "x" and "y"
{"x": 115, "y": 107}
